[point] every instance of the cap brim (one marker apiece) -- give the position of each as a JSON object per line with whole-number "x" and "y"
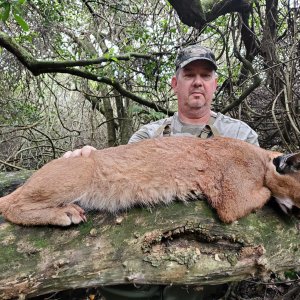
{"x": 186, "y": 62}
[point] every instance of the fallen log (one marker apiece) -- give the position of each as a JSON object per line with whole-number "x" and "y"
{"x": 175, "y": 244}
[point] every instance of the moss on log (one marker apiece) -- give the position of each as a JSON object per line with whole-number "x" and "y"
{"x": 10, "y": 181}
{"x": 175, "y": 244}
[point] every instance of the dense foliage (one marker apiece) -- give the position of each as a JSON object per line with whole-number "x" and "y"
{"x": 91, "y": 72}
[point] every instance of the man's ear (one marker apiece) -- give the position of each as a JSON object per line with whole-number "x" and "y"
{"x": 287, "y": 163}
{"x": 216, "y": 83}
{"x": 174, "y": 84}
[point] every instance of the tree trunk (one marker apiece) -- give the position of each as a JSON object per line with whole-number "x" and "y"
{"x": 175, "y": 244}
{"x": 110, "y": 123}
{"x": 125, "y": 122}
{"x": 269, "y": 45}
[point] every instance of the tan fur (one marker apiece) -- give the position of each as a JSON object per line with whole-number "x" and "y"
{"x": 235, "y": 177}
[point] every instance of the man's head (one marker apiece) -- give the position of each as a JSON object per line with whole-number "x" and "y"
{"x": 195, "y": 81}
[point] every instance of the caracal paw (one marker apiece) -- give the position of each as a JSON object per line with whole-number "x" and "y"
{"x": 71, "y": 214}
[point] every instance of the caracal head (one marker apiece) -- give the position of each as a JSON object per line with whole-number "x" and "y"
{"x": 287, "y": 188}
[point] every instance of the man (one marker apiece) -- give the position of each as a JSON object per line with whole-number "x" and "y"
{"x": 194, "y": 84}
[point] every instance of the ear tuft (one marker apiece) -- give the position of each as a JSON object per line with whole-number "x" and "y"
{"x": 276, "y": 162}
{"x": 287, "y": 163}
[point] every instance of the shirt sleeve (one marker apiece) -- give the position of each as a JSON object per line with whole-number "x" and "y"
{"x": 236, "y": 129}
{"x": 140, "y": 135}
{"x": 147, "y": 131}
{"x": 252, "y": 138}
{"x": 246, "y": 133}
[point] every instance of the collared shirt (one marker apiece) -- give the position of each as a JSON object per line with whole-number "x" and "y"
{"x": 226, "y": 126}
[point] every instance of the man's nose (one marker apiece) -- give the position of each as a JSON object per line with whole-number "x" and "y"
{"x": 198, "y": 80}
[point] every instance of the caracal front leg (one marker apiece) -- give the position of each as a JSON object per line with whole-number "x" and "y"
{"x": 234, "y": 207}
{"x": 61, "y": 216}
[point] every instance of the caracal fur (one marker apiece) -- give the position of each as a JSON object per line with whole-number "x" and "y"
{"x": 235, "y": 177}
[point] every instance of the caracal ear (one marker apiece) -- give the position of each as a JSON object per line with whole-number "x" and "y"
{"x": 287, "y": 163}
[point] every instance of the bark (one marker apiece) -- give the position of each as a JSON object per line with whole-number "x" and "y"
{"x": 124, "y": 120}
{"x": 110, "y": 123}
{"x": 268, "y": 46}
{"x": 175, "y": 244}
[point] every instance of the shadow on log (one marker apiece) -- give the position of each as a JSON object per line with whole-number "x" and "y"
{"x": 175, "y": 244}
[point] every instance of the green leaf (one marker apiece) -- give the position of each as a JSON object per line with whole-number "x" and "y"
{"x": 5, "y": 15}
{"x": 114, "y": 58}
{"x": 16, "y": 9}
{"x": 106, "y": 55}
{"x": 21, "y": 22}
{"x": 21, "y": 1}
{"x": 291, "y": 274}
{"x": 134, "y": 109}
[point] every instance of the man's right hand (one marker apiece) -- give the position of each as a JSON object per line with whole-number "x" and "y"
{"x": 84, "y": 151}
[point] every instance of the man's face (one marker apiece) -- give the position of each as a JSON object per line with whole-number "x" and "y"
{"x": 194, "y": 86}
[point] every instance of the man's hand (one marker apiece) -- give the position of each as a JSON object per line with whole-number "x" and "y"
{"x": 85, "y": 152}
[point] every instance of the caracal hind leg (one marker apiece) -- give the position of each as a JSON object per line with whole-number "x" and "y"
{"x": 234, "y": 208}
{"x": 61, "y": 216}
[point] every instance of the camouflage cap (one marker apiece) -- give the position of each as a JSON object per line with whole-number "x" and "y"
{"x": 194, "y": 52}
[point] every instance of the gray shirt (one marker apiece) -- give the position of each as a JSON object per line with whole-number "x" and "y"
{"x": 226, "y": 126}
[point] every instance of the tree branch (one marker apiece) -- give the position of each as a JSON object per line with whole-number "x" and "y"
{"x": 255, "y": 83}
{"x": 38, "y": 67}
{"x": 197, "y": 13}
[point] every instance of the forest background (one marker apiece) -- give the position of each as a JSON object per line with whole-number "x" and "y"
{"x": 92, "y": 72}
